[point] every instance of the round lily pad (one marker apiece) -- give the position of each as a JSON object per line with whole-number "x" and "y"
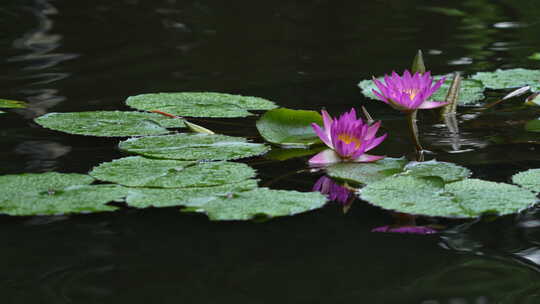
{"x": 288, "y": 153}
{"x": 18, "y": 184}
{"x": 261, "y": 202}
{"x": 193, "y": 147}
{"x": 449, "y": 172}
{"x": 200, "y": 104}
{"x": 289, "y": 127}
{"x": 5, "y": 103}
{"x": 147, "y": 197}
{"x": 138, "y": 171}
{"x": 468, "y": 198}
{"x": 109, "y": 123}
{"x": 512, "y": 78}
{"x": 533, "y": 125}
{"x": 529, "y": 179}
{"x": 365, "y": 173}
{"x": 73, "y": 199}
{"x": 470, "y": 92}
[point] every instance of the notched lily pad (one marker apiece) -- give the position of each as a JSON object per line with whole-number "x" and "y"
{"x": 200, "y": 104}
{"x": 289, "y": 127}
{"x": 512, "y": 78}
{"x": 449, "y": 172}
{"x": 468, "y": 198}
{"x": 13, "y": 104}
{"x": 138, "y": 171}
{"x": 365, "y": 173}
{"x": 55, "y": 193}
{"x": 261, "y": 202}
{"x": 529, "y": 179}
{"x": 146, "y": 197}
{"x": 109, "y": 123}
{"x": 288, "y": 153}
{"x": 470, "y": 92}
{"x": 193, "y": 147}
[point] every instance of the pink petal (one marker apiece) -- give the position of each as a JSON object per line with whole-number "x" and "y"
{"x": 381, "y": 97}
{"x": 377, "y": 141}
{"x": 432, "y": 104}
{"x": 327, "y": 156}
{"x": 366, "y": 158}
{"x": 372, "y": 130}
{"x": 322, "y": 134}
{"x": 327, "y": 121}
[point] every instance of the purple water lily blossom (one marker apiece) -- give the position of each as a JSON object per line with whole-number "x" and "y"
{"x": 332, "y": 190}
{"x": 406, "y": 229}
{"x": 348, "y": 138}
{"x": 408, "y": 93}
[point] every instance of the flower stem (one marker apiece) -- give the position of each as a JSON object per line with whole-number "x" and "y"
{"x": 411, "y": 117}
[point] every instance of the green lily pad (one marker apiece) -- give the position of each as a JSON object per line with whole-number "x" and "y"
{"x": 513, "y": 78}
{"x": 138, "y": 171}
{"x": 533, "y": 125}
{"x": 55, "y": 193}
{"x": 200, "y": 104}
{"x": 449, "y": 172}
{"x": 468, "y": 198}
{"x": 4, "y": 103}
{"x": 289, "y": 127}
{"x": 529, "y": 179}
{"x": 109, "y": 123}
{"x": 261, "y": 202}
{"x": 73, "y": 199}
{"x": 288, "y": 153}
{"x": 534, "y": 56}
{"x": 470, "y": 92}
{"x": 193, "y": 147}
{"x": 2, "y": 112}
{"x": 146, "y": 197}
{"x": 365, "y": 173}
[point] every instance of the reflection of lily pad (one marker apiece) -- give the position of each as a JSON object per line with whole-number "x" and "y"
{"x": 261, "y": 202}
{"x": 109, "y": 123}
{"x": 513, "y": 78}
{"x": 146, "y": 197}
{"x": 158, "y": 173}
{"x": 365, "y": 173}
{"x": 193, "y": 147}
{"x": 289, "y": 127}
{"x": 200, "y": 104}
{"x": 529, "y": 179}
{"x": 55, "y": 193}
{"x": 4, "y": 103}
{"x": 431, "y": 197}
{"x": 449, "y": 172}
{"x": 470, "y": 92}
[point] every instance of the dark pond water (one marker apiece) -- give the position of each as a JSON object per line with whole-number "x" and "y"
{"x": 90, "y": 55}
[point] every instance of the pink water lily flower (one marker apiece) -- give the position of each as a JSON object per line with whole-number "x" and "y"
{"x": 408, "y": 93}
{"x": 348, "y": 138}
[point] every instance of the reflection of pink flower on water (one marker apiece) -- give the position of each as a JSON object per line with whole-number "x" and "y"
{"x": 408, "y": 93}
{"x": 332, "y": 190}
{"x": 348, "y": 138}
{"x": 405, "y": 229}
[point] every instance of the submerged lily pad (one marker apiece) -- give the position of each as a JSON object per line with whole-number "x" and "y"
{"x": 431, "y": 197}
{"x": 5, "y": 103}
{"x": 513, "y": 78}
{"x": 261, "y": 202}
{"x": 193, "y": 147}
{"x": 533, "y": 125}
{"x": 288, "y": 153}
{"x": 289, "y": 127}
{"x": 200, "y": 104}
{"x": 449, "y": 172}
{"x": 55, "y": 193}
{"x": 470, "y": 92}
{"x": 365, "y": 173}
{"x": 529, "y": 179}
{"x": 138, "y": 171}
{"x": 146, "y": 197}
{"x": 109, "y": 123}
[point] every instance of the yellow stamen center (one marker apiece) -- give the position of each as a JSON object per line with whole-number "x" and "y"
{"x": 411, "y": 92}
{"x": 347, "y": 138}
